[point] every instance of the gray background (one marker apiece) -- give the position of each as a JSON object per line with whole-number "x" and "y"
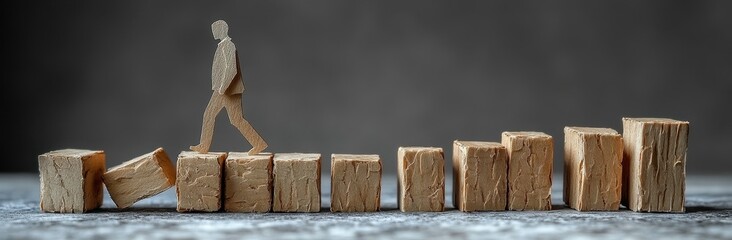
{"x": 362, "y": 76}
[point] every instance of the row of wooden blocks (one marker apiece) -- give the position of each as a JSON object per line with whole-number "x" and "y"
{"x": 644, "y": 168}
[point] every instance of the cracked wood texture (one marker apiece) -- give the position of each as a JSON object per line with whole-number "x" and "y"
{"x": 355, "y": 183}
{"x": 198, "y": 184}
{"x": 654, "y": 164}
{"x": 530, "y": 159}
{"x": 140, "y": 178}
{"x": 421, "y": 179}
{"x": 248, "y": 182}
{"x": 296, "y": 182}
{"x": 71, "y": 180}
{"x": 592, "y": 168}
{"x": 480, "y": 170}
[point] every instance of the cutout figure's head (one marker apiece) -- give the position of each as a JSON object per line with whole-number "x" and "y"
{"x": 220, "y": 29}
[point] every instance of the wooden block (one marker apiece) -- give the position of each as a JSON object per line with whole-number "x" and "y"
{"x": 140, "y": 178}
{"x": 480, "y": 170}
{"x": 296, "y": 182}
{"x": 248, "y": 182}
{"x": 355, "y": 183}
{"x": 654, "y": 164}
{"x": 199, "y": 181}
{"x": 530, "y": 159}
{"x": 592, "y": 168}
{"x": 421, "y": 179}
{"x": 71, "y": 180}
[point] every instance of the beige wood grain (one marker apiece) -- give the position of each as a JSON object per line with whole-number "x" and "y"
{"x": 480, "y": 172}
{"x": 530, "y": 159}
{"x": 355, "y": 183}
{"x": 71, "y": 180}
{"x": 142, "y": 177}
{"x": 248, "y": 182}
{"x": 592, "y": 168}
{"x": 296, "y": 182}
{"x": 198, "y": 184}
{"x": 654, "y": 164}
{"x": 421, "y": 179}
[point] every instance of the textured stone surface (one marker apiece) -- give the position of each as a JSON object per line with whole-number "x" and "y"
{"x": 296, "y": 182}
{"x": 593, "y": 168}
{"x": 654, "y": 164}
{"x": 140, "y": 178}
{"x": 248, "y": 182}
{"x": 530, "y": 160}
{"x": 480, "y": 170}
{"x": 421, "y": 179}
{"x": 199, "y": 181}
{"x": 708, "y": 216}
{"x": 355, "y": 183}
{"x": 71, "y": 180}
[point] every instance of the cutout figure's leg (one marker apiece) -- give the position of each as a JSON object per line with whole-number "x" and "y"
{"x": 236, "y": 116}
{"x": 209, "y": 122}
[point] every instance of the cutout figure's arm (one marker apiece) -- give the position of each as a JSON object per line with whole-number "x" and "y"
{"x": 229, "y": 55}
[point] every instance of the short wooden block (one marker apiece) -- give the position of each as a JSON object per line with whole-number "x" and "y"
{"x": 530, "y": 159}
{"x": 654, "y": 164}
{"x": 355, "y": 183}
{"x": 140, "y": 178}
{"x": 248, "y": 182}
{"x": 296, "y": 182}
{"x": 421, "y": 179}
{"x": 199, "y": 181}
{"x": 480, "y": 170}
{"x": 71, "y": 180}
{"x": 592, "y": 168}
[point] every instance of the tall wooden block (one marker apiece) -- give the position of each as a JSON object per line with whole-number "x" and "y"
{"x": 654, "y": 164}
{"x": 530, "y": 159}
{"x": 71, "y": 180}
{"x": 421, "y": 179}
{"x": 140, "y": 178}
{"x": 480, "y": 170}
{"x": 592, "y": 168}
{"x": 199, "y": 181}
{"x": 355, "y": 183}
{"x": 248, "y": 182}
{"x": 296, "y": 182}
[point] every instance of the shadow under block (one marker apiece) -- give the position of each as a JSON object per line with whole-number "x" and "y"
{"x": 296, "y": 182}
{"x": 592, "y": 168}
{"x": 654, "y": 164}
{"x": 198, "y": 184}
{"x": 421, "y": 179}
{"x": 480, "y": 170}
{"x": 140, "y": 178}
{"x": 248, "y": 182}
{"x": 530, "y": 159}
{"x": 71, "y": 180}
{"x": 355, "y": 183}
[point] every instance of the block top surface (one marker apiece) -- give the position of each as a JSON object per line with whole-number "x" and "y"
{"x": 76, "y": 153}
{"x": 655, "y": 120}
{"x": 356, "y": 157}
{"x": 136, "y": 159}
{"x": 209, "y": 155}
{"x": 527, "y": 134}
{"x": 420, "y": 149}
{"x": 246, "y": 156}
{"x": 592, "y": 131}
{"x": 476, "y": 144}
{"x": 297, "y": 157}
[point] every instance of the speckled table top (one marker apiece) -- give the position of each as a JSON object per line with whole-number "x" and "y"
{"x": 709, "y": 216}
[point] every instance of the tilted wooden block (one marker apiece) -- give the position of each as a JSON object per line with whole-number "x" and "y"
{"x": 480, "y": 170}
{"x": 198, "y": 183}
{"x": 140, "y": 178}
{"x": 654, "y": 164}
{"x": 71, "y": 180}
{"x": 296, "y": 182}
{"x": 421, "y": 179}
{"x": 592, "y": 168}
{"x": 530, "y": 159}
{"x": 248, "y": 182}
{"x": 355, "y": 183}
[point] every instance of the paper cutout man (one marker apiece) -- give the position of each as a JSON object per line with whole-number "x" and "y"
{"x": 227, "y": 86}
